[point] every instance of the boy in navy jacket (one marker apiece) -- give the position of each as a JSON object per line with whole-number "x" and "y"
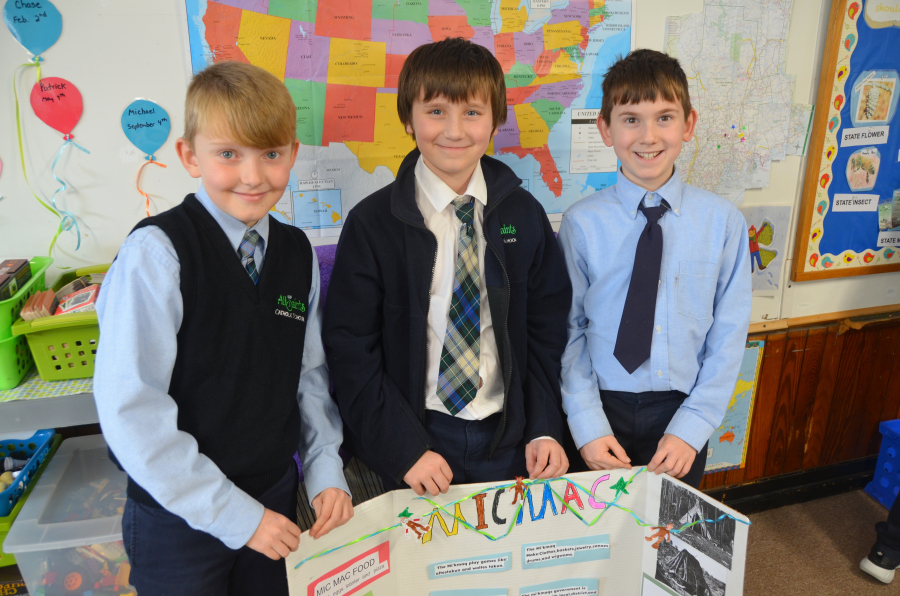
{"x": 447, "y": 304}
{"x": 212, "y": 373}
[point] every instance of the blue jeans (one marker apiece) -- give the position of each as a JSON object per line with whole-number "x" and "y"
{"x": 889, "y": 533}
{"x": 754, "y": 256}
{"x": 170, "y": 558}
{"x": 639, "y": 421}
{"x": 465, "y": 444}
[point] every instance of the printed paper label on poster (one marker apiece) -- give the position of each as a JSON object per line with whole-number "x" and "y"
{"x": 865, "y": 135}
{"x": 855, "y": 202}
{"x": 352, "y": 576}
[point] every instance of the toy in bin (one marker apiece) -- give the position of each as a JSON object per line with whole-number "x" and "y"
{"x": 19, "y": 460}
{"x": 88, "y": 570}
{"x": 13, "y": 275}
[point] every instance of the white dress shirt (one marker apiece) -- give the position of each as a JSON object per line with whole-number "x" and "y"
{"x": 435, "y": 201}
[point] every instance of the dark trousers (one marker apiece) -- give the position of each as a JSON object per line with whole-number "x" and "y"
{"x": 465, "y": 444}
{"x": 639, "y": 421}
{"x": 889, "y": 533}
{"x": 169, "y": 558}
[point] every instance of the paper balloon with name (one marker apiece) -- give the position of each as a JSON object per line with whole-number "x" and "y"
{"x": 146, "y": 125}
{"x": 36, "y": 24}
{"x": 58, "y": 103}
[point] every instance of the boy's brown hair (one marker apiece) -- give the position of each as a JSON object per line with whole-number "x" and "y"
{"x": 453, "y": 68}
{"x": 644, "y": 75}
{"x": 242, "y": 102}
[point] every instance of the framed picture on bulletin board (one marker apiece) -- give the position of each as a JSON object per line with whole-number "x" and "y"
{"x": 850, "y": 214}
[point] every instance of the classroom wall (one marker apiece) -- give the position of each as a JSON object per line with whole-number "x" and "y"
{"x": 117, "y": 50}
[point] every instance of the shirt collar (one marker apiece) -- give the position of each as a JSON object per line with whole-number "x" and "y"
{"x": 631, "y": 195}
{"x": 440, "y": 195}
{"x": 234, "y": 228}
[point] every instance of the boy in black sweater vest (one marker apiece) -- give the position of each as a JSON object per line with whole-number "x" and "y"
{"x": 211, "y": 373}
{"x": 447, "y": 306}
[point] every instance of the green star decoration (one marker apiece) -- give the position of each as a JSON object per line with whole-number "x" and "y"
{"x": 619, "y": 487}
{"x": 405, "y": 514}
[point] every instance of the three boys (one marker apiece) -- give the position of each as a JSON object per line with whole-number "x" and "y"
{"x": 447, "y": 331}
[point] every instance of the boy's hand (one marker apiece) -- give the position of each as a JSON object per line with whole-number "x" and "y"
{"x": 276, "y": 536}
{"x": 333, "y": 509}
{"x": 431, "y": 473}
{"x": 597, "y": 456}
{"x": 673, "y": 457}
{"x": 545, "y": 458}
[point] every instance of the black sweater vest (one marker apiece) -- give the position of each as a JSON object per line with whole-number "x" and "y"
{"x": 240, "y": 347}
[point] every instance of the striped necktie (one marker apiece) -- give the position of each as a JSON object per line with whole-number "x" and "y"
{"x": 245, "y": 251}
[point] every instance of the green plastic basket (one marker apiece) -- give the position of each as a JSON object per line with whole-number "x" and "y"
{"x": 15, "y": 361}
{"x": 64, "y": 346}
{"x": 9, "y": 309}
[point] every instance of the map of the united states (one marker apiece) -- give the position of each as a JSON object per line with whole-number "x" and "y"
{"x": 340, "y": 61}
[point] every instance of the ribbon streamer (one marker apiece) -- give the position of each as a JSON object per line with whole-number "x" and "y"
{"x": 151, "y": 159}
{"x": 68, "y": 221}
{"x": 529, "y": 484}
{"x": 36, "y": 62}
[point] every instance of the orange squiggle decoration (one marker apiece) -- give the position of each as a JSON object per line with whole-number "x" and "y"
{"x": 137, "y": 182}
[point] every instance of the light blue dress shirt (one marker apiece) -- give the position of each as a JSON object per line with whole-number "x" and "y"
{"x": 702, "y": 308}
{"x": 140, "y": 311}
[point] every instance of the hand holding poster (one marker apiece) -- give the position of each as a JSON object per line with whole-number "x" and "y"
{"x": 617, "y": 531}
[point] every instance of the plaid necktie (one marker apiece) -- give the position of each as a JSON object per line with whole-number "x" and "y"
{"x": 458, "y": 377}
{"x": 246, "y": 250}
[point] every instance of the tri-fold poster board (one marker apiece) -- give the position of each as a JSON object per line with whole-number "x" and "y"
{"x": 619, "y": 532}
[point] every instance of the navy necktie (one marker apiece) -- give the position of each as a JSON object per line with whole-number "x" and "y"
{"x": 636, "y": 328}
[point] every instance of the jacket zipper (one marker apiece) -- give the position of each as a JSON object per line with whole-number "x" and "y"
{"x": 427, "y": 311}
{"x": 508, "y": 374}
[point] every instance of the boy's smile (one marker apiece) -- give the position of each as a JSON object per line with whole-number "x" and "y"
{"x": 244, "y": 182}
{"x": 452, "y": 137}
{"x": 647, "y": 139}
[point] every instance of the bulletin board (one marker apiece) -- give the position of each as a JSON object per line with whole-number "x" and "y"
{"x": 850, "y": 213}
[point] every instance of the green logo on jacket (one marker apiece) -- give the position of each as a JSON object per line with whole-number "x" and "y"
{"x": 291, "y": 305}
{"x": 508, "y": 230}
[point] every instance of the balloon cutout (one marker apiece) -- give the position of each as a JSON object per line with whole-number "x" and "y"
{"x": 57, "y": 102}
{"x": 35, "y": 24}
{"x": 146, "y": 125}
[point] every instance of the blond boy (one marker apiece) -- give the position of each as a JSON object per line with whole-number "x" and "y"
{"x": 211, "y": 373}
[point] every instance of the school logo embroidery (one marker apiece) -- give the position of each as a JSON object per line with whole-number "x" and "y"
{"x": 509, "y": 230}
{"x": 291, "y": 308}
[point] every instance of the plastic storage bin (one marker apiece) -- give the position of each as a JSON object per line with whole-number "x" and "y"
{"x": 34, "y": 449}
{"x": 7, "y": 521}
{"x": 15, "y": 361}
{"x": 9, "y": 309}
{"x": 67, "y": 538}
{"x": 886, "y": 484}
{"x": 64, "y": 346}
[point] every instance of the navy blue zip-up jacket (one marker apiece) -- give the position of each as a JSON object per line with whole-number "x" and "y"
{"x": 377, "y": 309}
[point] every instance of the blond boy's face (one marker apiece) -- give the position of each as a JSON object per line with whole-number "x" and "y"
{"x": 244, "y": 182}
{"x": 647, "y": 139}
{"x": 452, "y": 137}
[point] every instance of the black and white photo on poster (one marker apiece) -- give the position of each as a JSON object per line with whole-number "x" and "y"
{"x": 679, "y": 506}
{"x": 688, "y": 571}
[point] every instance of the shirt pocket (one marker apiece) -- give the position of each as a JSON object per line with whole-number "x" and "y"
{"x": 696, "y": 289}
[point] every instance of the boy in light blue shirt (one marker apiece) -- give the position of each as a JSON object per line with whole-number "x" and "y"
{"x": 661, "y": 289}
{"x": 211, "y": 373}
